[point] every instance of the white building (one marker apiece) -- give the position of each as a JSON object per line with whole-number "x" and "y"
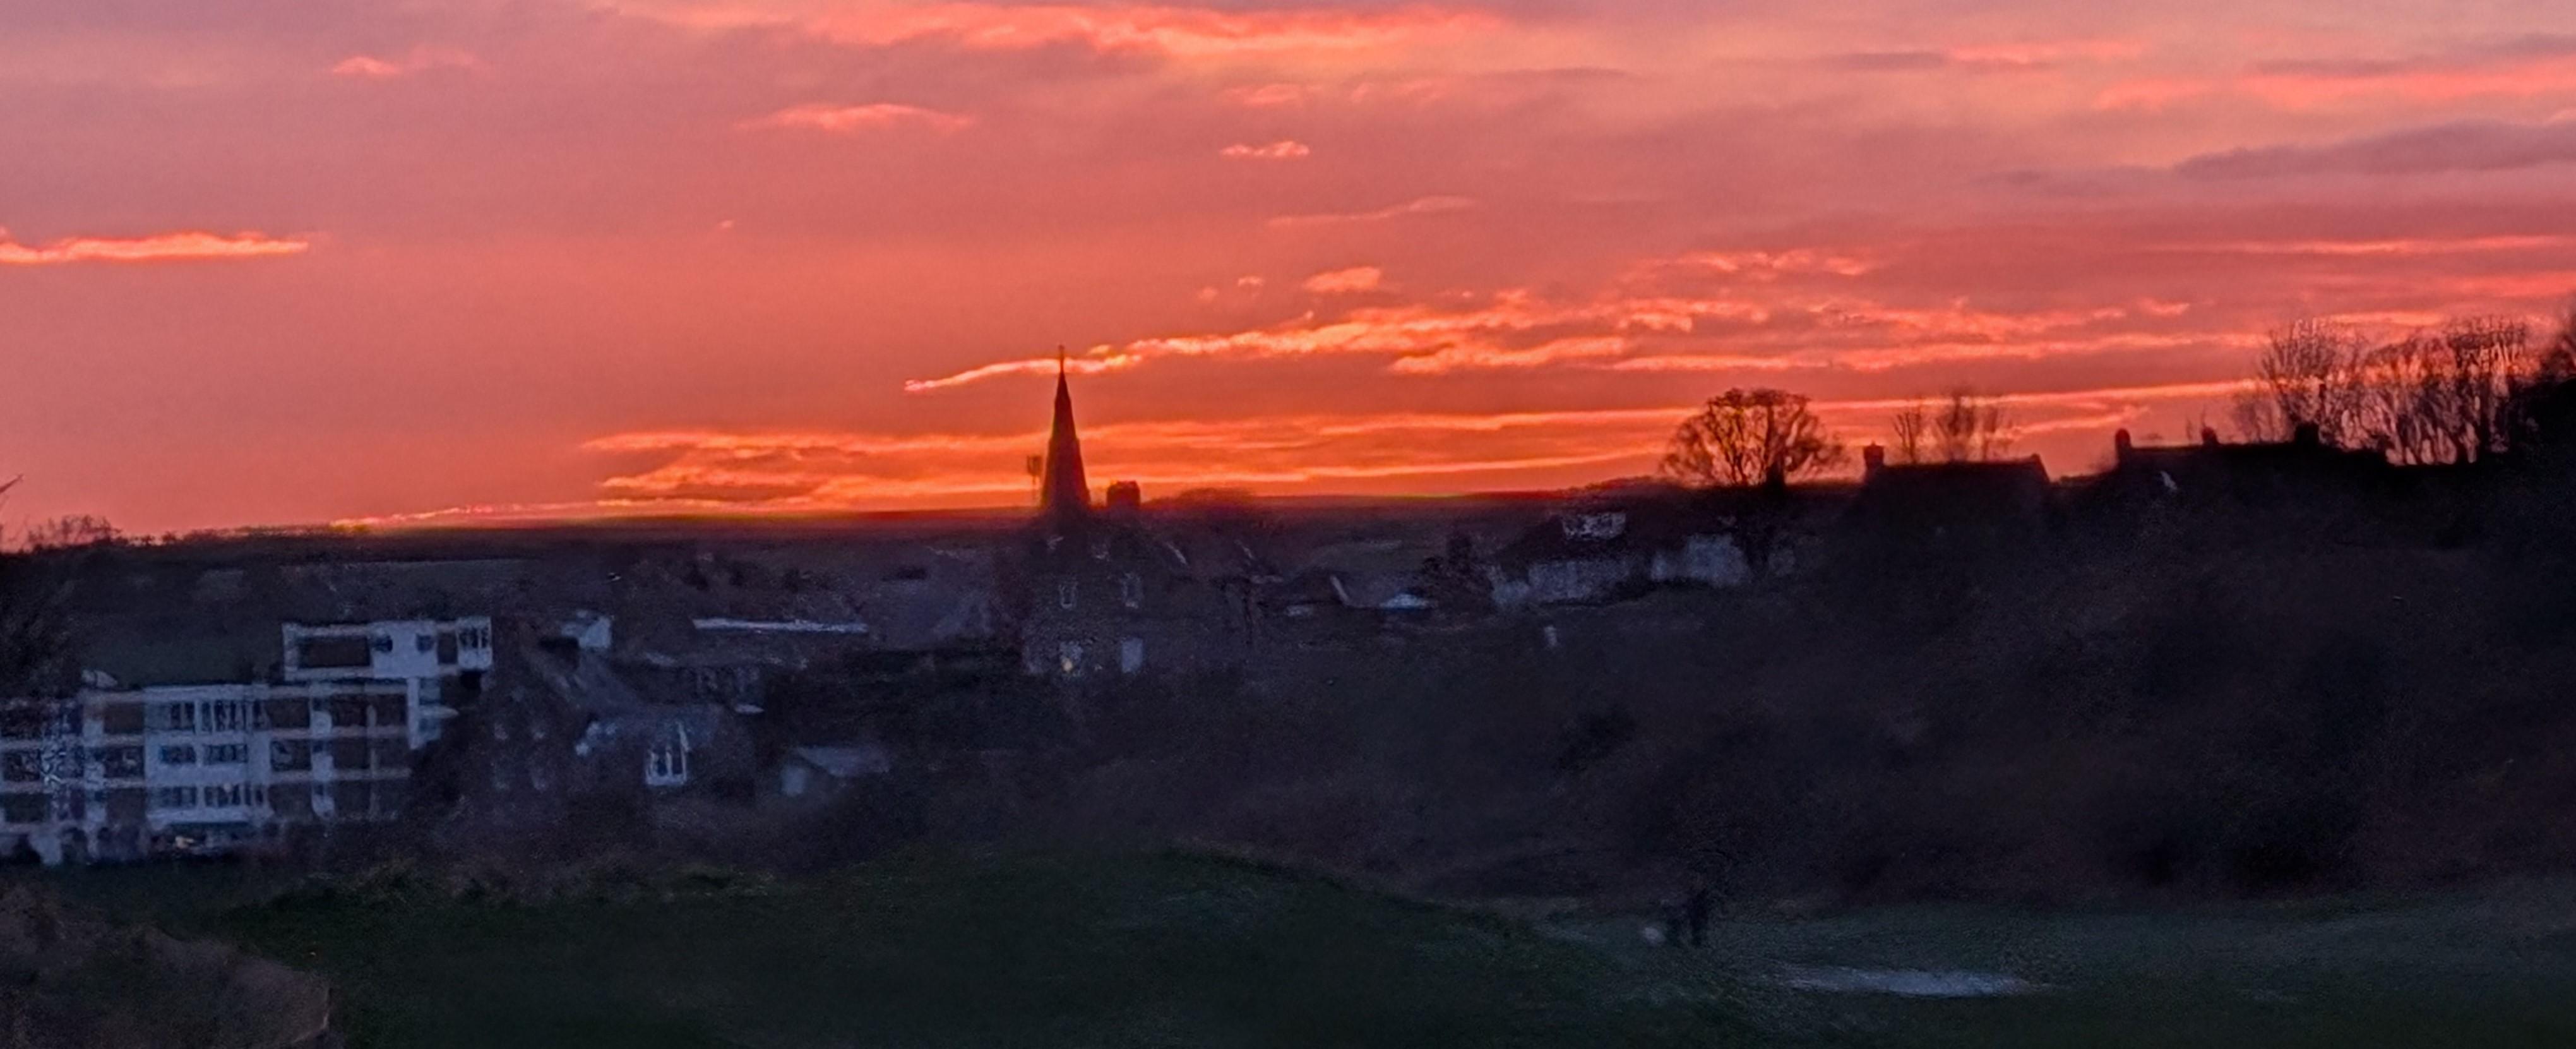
{"x": 432, "y": 658}
{"x": 115, "y": 772}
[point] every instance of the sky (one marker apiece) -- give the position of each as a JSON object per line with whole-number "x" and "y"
{"x": 274, "y": 262}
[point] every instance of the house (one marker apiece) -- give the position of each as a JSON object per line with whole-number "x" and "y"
{"x": 1949, "y": 504}
{"x": 564, "y": 720}
{"x": 1097, "y": 593}
{"x": 2303, "y": 469}
{"x": 621, "y": 736}
{"x": 1606, "y": 552}
{"x": 118, "y": 773}
{"x": 819, "y": 774}
{"x": 1314, "y": 594}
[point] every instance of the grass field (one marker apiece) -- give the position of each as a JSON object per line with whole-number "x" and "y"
{"x": 1172, "y": 950}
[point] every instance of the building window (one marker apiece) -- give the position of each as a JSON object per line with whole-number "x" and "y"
{"x": 223, "y": 795}
{"x": 174, "y": 798}
{"x": 290, "y": 755}
{"x": 178, "y": 717}
{"x": 1131, "y": 590}
{"x": 424, "y": 644}
{"x": 474, "y": 638}
{"x": 1064, "y": 594}
{"x": 113, "y": 763}
{"x": 178, "y": 755}
{"x": 382, "y": 643}
{"x": 1131, "y": 655}
{"x": 668, "y": 763}
{"x": 223, "y": 754}
{"x": 1069, "y": 658}
{"x": 331, "y": 652}
{"x": 224, "y": 716}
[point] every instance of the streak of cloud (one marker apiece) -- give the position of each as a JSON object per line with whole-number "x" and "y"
{"x": 418, "y": 60}
{"x": 1346, "y": 281}
{"x": 160, "y": 247}
{"x": 874, "y": 116}
{"x": 1284, "y": 149}
{"x": 1416, "y": 206}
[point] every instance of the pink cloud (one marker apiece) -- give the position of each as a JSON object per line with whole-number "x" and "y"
{"x": 1768, "y": 265}
{"x": 1416, "y": 206}
{"x": 2394, "y": 247}
{"x": 1281, "y": 150}
{"x": 2529, "y": 68}
{"x": 1177, "y": 31}
{"x": 1346, "y": 282}
{"x": 159, "y": 247}
{"x": 418, "y": 60}
{"x": 2039, "y": 53}
{"x": 877, "y": 116}
{"x": 2153, "y": 93}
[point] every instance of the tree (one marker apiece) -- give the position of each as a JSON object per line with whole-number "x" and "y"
{"x": 1970, "y": 428}
{"x": 1742, "y": 438}
{"x": 2309, "y": 375}
{"x": 2447, "y": 396}
{"x": 2543, "y": 410}
{"x": 1909, "y": 430}
{"x": 36, "y": 657}
{"x": 71, "y": 533}
{"x": 2487, "y": 361}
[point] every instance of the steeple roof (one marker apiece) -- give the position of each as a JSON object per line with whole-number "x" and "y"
{"x": 1063, "y": 492}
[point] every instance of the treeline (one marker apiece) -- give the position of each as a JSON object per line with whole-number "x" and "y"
{"x": 2470, "y": 389}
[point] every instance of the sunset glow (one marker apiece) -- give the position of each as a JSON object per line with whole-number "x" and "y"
{"x": 296, "y": 262}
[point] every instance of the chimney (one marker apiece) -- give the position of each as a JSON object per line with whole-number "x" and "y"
{"x": 2306, "y": 436}
{"x": 1126, "y": 499}
{"x": 2209, "y": 436}
{"x": 1872, "y": 459}
{"x": 2120, "y": 445}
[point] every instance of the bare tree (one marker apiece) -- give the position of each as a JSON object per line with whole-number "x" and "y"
{"x": 2488, "y": 361}
{"x": 1970, "y": 428}
{"x": 35, "y": 622}
{"x": 2257, "y": 417}
{"x": 1742, "y": 438}
{"x": 2431, "y": 397}
{"x": 2400, "y": 401}
{"x": 1909, "y": 430}
{"x": 2541, "y": 412}
{"x": 2310, "y": 373}
{"x": 2559, "y": 358}
{"x": 71, "y": 533}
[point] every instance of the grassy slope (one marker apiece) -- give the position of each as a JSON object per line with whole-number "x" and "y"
{"x": 1048, "y": 952}
{"x": 2495, "y": 968}
{"x": 1167, "y": 950}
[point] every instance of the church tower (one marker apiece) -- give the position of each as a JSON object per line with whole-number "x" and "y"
{"x": 1064, "y": 494}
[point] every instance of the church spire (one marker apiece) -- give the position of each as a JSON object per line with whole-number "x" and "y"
{"x": 1064, "y": 492}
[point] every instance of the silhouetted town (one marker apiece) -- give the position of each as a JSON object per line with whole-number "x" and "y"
{"x": 270, "y": 696}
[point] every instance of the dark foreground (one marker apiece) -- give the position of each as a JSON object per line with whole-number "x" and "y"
{"x": 1162, "y": 949}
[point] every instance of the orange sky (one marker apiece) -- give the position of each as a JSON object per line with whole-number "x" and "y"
{"x": 299, "y": 261}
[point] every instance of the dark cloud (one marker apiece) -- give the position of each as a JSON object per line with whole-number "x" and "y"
{"x": 1887, "y": 61}
{"x": 2475, "y": 145}
{"x": 2533, "y": 47}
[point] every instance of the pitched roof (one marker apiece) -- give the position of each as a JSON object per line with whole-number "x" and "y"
{"x": 847, "y": 762}
{"x": 1946, "y": 493}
